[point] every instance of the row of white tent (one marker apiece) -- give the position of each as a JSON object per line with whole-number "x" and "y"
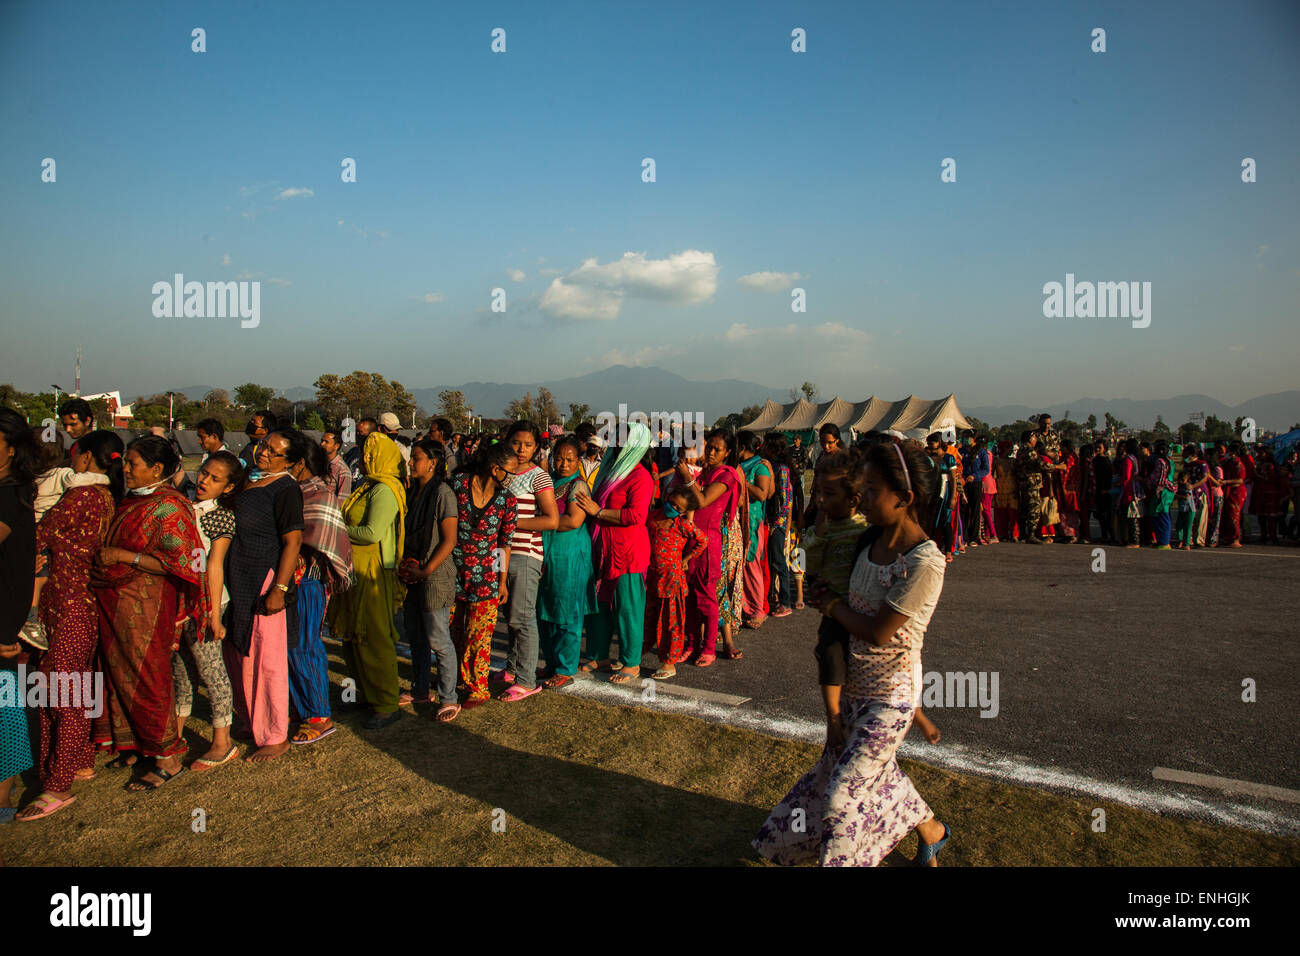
{"x": 910, "y": 417}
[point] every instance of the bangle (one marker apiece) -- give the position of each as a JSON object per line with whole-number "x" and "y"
{"x": 830, "y": 608}
{"x": 136, "y": 562}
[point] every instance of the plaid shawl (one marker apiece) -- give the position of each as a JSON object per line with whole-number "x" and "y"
{"x": 326, "y": 533}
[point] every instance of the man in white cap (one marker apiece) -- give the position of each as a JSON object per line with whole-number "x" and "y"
{"x": 389, "y": 424}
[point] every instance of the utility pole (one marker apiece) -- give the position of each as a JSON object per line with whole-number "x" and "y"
{"x": 78, "y": 382}
{"x": 56, "y": 398}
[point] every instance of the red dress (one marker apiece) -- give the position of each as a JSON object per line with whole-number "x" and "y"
{"x": 665, "y": 609}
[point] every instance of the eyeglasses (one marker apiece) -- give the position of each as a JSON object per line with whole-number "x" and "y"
{"x": 264, "y": 447}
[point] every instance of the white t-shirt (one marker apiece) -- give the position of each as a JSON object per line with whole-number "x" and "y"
{"x": 910, "y": 585}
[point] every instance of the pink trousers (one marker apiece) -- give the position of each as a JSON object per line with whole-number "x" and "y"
{"x": 260, "y": 681}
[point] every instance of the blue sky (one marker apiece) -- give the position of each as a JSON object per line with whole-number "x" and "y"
{"x": 1115, "y": 166}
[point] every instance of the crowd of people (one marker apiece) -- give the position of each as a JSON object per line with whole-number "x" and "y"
{"x": 1042, "y": 490}
{"x": 117, "y": 562}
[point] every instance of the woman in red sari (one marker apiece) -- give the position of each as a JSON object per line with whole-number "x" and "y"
{"x": 73, "y": 530}
{"x": 1071, "y": 492}
{"x": 714, "y": 497}
{"x": 148, "y": 582}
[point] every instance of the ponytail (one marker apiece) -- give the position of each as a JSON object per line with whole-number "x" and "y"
{"x": 106, "y": 448}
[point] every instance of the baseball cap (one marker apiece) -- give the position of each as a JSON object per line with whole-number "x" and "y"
{"x": 389, "y": 421}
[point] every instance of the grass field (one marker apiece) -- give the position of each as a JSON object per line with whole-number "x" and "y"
{"x": 573, "y": 782}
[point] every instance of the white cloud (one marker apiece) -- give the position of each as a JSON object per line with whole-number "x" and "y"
{"x": 516, "y": 275}
{"x": 770, "y": 281}
{"x": 225, "y": 260}
{"x": 595, "y": 291}
{"x": 834, "y": 333}
{"x": 577, "y": 302}
{"x": 432, "y": 297}
{"x": 294, "y": 193}
{"x": 643, "y": 356}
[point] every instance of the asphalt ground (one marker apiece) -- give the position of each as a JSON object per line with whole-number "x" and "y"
{"x": 1103, "y": 676}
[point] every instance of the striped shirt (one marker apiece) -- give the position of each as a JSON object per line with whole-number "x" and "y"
{"x": 524, "y": 486}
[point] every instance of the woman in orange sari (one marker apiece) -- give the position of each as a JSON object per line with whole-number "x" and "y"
{"x": 148, "y": 582}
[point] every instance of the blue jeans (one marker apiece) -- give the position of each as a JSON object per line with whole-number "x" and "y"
{"x": 429, "y": 634}
{"x": 523, "y": 577}
{"x": 780, "y": 567}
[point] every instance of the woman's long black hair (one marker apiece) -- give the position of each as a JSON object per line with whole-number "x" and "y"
{"x": 107, "y": 450}
{"x": 25, "y": 465}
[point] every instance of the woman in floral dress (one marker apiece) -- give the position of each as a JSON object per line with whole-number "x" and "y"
{"x": 856, "y": 804}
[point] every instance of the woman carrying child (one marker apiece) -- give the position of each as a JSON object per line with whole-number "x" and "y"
{"x": 856, "y": 805}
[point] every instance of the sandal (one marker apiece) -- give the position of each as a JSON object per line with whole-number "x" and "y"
{"x": 142, "y": 785}
{"x": 120, "y": 762}
{"x": 47, "y": 804}
{"x": 663, "y": 674}
{"x": 447, "y": 713}
{"x": 592, "y": 667}
{"x": 557, "y": 681}
{"x": 518, "y": 693}
{"x": 203, "y": 764}
{"x": 625, "y": 676}
{"x": 309, "y": 734}
{"x": 731, "y": 653}
{"x": 705, "y": 660}
{"x": 928, "y": 851}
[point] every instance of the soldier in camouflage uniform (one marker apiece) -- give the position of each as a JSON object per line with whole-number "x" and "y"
{"x": 1029, "y": 479}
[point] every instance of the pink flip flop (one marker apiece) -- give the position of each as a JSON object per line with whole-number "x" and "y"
{"x": 519, "y": 693}
{"x": 48, "y": 805}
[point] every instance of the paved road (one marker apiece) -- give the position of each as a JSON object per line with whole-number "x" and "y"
{"x": 1102, "y": 677}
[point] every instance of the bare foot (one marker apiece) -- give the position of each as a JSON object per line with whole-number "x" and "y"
{"x": 269, "y": 752}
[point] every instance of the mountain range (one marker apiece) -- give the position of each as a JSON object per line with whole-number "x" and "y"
{"x": 650, "y": 389}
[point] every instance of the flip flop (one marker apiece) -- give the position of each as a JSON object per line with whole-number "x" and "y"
{"x": 519, "y": 693}
{"x": 203, "y": 764}
{"x": 447, "y": 713}
{"x": 314, "y": 737}
{"x": 623, "y": 677}
{"x": 120, "y": 763}
{"x": 48, "y": 805}
{"x": 928, "y": 851}
{"x": 662, "y": 674}
{"x": 558, "y": 681}
{"x": 142, "y": 786}
{"x": 706, "y": 660}
{"x": 591, "y": 667}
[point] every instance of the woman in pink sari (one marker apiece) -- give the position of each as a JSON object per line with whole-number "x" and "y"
{"x": 1071, "y": 492}
{"x": 714, "y": 497}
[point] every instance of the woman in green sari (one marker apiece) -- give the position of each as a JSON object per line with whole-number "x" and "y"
{"x": 759, "y": 483}
{"x": 567, "y": 592}
{"x": 362, "y": 616}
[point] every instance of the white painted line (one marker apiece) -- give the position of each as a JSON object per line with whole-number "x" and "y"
{"x": 1268, "y": 791}
{"x": 675, "y": 690}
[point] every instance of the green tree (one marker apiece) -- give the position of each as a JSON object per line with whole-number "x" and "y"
{"x": 548, "y": 412}
{"x": 362, "y": 394}
{"x": 577, "y": 415}
{"x": 313, "y": 421}
{"x": 452, "y": 406}
{"x": 1160, "y": 429}
{"x": 522, "y": 409}
{"x": 253, "y": 397}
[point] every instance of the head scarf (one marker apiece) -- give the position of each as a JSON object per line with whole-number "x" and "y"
{"x": 383, "y": 461}
{"x": 614, "y": 469}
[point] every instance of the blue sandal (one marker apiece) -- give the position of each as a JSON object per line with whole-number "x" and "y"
{"x": 928, "y": 851}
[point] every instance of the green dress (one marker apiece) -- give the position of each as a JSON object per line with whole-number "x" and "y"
{"x": 567, "y": 592}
